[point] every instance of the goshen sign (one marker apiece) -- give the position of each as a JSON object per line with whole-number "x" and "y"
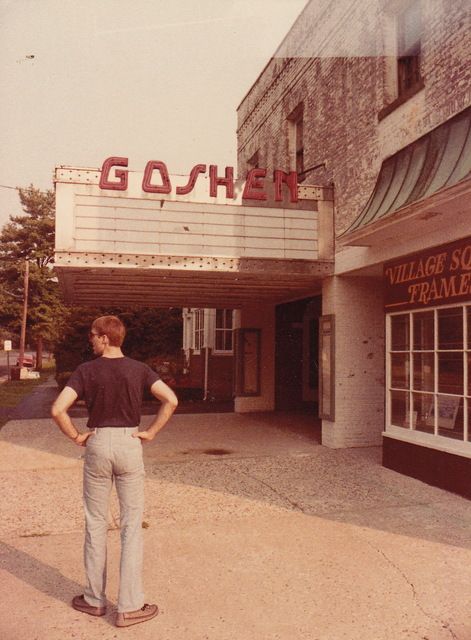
{"x": 254, "y": 188}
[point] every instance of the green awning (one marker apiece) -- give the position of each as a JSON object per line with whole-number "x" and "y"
{"x": 437, "y": 160}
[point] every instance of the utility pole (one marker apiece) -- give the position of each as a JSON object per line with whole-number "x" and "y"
{"x": 23, "y": 320}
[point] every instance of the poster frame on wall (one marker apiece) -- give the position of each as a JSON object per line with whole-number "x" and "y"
{"x": 248, "y": 364}
{"x": 327, "y": 367}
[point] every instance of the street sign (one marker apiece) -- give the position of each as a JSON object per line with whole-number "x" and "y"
{"x": 7, "y": 345}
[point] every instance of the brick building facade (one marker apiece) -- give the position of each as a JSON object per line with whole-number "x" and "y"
{"x": 372, "y": 98}
{"x": 337, "y": 63}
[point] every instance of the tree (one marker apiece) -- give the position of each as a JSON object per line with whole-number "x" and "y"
{"x": 31, "y": 237}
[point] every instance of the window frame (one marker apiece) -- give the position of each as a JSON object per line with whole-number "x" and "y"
{"x": 395, "y": 93}
{"x": 296, "y": 141}
{"x": 198, "y": 333}
{"x": 413, "y": 52}
{"x": 224, "y": 330}
{"x": 410, "y": 433}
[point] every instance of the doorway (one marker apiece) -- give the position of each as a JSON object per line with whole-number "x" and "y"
{"x": 297, "y": 355}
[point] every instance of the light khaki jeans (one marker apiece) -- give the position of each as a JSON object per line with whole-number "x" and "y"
{"x": 113, "y": 455}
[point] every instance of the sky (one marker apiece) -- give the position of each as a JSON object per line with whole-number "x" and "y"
{"x": 147, "y": 79}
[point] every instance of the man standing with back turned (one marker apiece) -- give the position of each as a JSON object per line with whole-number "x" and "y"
{"x": 112, "y": 386}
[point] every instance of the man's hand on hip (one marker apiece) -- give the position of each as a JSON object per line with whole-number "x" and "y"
{"x": 82, "y": 438}
{"x": 144, "y": 435}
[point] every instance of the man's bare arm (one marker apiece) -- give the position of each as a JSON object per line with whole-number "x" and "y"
{"x": 59, "y": 409}
{"x": 169, "y": 401}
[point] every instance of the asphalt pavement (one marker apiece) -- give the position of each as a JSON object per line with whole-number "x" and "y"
{"x": 252, "y": 531}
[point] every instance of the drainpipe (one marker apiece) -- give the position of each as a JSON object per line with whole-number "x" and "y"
{"x": 206, "y": 367}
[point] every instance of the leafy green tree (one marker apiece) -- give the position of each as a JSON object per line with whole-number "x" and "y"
{"x": 31, "y": 237}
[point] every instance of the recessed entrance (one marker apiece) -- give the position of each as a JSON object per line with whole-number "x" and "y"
{"x": 297, "y": 355}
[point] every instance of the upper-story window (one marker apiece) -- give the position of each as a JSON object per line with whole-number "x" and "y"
{"x": 409, "y": 31}
{"x": 296, "y": 141}
{"x": 402, "y": 35}
{"x": 223, "y": 331}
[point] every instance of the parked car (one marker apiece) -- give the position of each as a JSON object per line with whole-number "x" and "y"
{"x": 29, "y": 361}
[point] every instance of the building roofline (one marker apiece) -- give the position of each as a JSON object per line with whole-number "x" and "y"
{"x": 274, "y": 55}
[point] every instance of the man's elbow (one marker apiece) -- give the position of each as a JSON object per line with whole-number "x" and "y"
{"x": 56, "y": 411}
{"x": 173, "y": 402}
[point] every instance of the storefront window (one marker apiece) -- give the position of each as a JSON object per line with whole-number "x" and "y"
{"x": 450, "y": 372}
{"x": 429, "y": 364}
{"x": 423, "y": 331}
{"x": 400, "y": 408}
{"x": 450, "y": 328}
{"x": 422, "y": 412}
{"x": 424, "y": 378}
{"x": 400, "y": 333}
{"x": 450, "y": 416}
{"x": 400, "y": 370}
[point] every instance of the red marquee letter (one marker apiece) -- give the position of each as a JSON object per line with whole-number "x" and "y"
{"x": 215, "y": 181}
{"x": 122, "y": 184}
{"x": 190, "y": 185}
{"x": 151, "y": 166}
{"x": 291, "y": 179}
{"x": 253, "y": 185}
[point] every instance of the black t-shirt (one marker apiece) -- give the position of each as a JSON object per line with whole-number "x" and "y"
{"x": 112, "y": 389}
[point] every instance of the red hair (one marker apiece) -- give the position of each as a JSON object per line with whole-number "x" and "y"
{"x": 112, "y": 327}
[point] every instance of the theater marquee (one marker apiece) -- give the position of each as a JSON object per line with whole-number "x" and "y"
{"x": 431, "y": 278}
{"x": 156, "y": 179}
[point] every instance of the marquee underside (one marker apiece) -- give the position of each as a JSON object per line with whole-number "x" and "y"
{"x": 170, "y": 281}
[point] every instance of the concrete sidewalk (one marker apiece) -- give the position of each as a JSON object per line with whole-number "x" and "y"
{"x": 271, "y": 537}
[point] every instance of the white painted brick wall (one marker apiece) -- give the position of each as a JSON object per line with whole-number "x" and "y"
{"x": 357, "y": 304}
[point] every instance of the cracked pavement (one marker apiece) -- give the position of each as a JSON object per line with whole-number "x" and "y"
{"x": 278, "y": 539}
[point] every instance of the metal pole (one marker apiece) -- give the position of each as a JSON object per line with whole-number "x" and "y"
{"x": 23, "y": 320}
{"x": 8, "y": 365}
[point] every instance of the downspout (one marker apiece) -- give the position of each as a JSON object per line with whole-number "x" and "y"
{"x": 206, "y": 367}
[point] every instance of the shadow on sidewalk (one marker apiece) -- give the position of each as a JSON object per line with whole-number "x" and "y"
{"x": 39, "y": 575}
